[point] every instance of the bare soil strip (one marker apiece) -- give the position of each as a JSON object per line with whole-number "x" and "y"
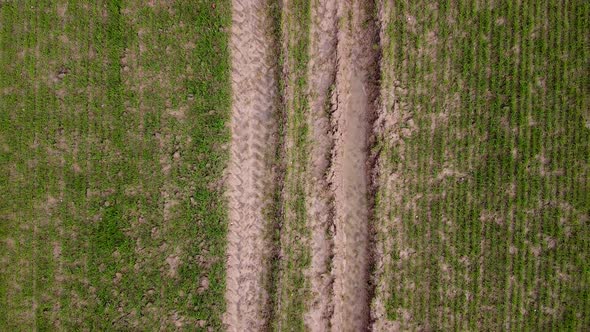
{"x": 321, "y": 77}
{"x": 251, "y": 175}
{"x": 356, "y": 94}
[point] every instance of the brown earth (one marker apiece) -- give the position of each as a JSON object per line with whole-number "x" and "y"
{"x": 341, "y": 58}
{"x": 321, "y": 76}
{"x": 251, "y": 175}
{"x": 356, "y": 93}
{"x": 342, "y": 93}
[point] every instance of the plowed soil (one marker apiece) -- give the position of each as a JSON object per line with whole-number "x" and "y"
{"x": 320, "y": 208}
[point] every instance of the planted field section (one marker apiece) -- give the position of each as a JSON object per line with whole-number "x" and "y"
{"x": 482, "y": 212}
{"x": 113, "y": 131}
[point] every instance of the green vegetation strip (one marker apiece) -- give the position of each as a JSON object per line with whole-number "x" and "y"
{"x": 494, "y": 208}
{"x": 113, "y": 144}
{"x": 295, "y": 237}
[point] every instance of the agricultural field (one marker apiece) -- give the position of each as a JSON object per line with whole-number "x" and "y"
{"x": 483, "y": 198}
{"x": 113, "y": 145}
{"x": 294, "y": 165}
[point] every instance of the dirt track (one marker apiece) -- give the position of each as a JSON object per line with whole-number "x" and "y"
{"x": 351, "y": 180}
{"x": 342, "y": 92}
{"x": 250, "y": 182}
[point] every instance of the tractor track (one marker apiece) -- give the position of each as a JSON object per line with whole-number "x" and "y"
{"x": 251, "y": 174}
{"x": 342, "y": 91}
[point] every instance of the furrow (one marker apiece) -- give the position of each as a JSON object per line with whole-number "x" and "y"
{"x": 356, "y": 93}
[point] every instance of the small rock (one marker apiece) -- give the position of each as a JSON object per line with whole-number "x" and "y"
{"x": 205, "y": 283}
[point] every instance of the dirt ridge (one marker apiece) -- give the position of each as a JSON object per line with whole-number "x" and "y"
{"x": 320, "y": 209}
{"x": 387, "y": 115}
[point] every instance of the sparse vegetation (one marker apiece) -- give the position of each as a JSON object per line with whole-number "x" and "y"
{"x": 114, "y": 140}
{"x": 295, "y": 235}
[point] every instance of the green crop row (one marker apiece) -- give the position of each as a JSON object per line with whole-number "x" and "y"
{"x": 295, "y": 235}
{"x": 494, "y": 91}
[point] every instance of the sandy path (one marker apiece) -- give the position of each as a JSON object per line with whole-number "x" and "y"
{"x": 321, "y": 75}
{"x": 352, "y": 120}
{"x": 251, "y": 178}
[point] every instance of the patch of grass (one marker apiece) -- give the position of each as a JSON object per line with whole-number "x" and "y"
{"x": 275, "y": 209}
{"x": 113, "y": 217}
{"x": 493, "y": 212}
{"x": 295, "y": 232}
